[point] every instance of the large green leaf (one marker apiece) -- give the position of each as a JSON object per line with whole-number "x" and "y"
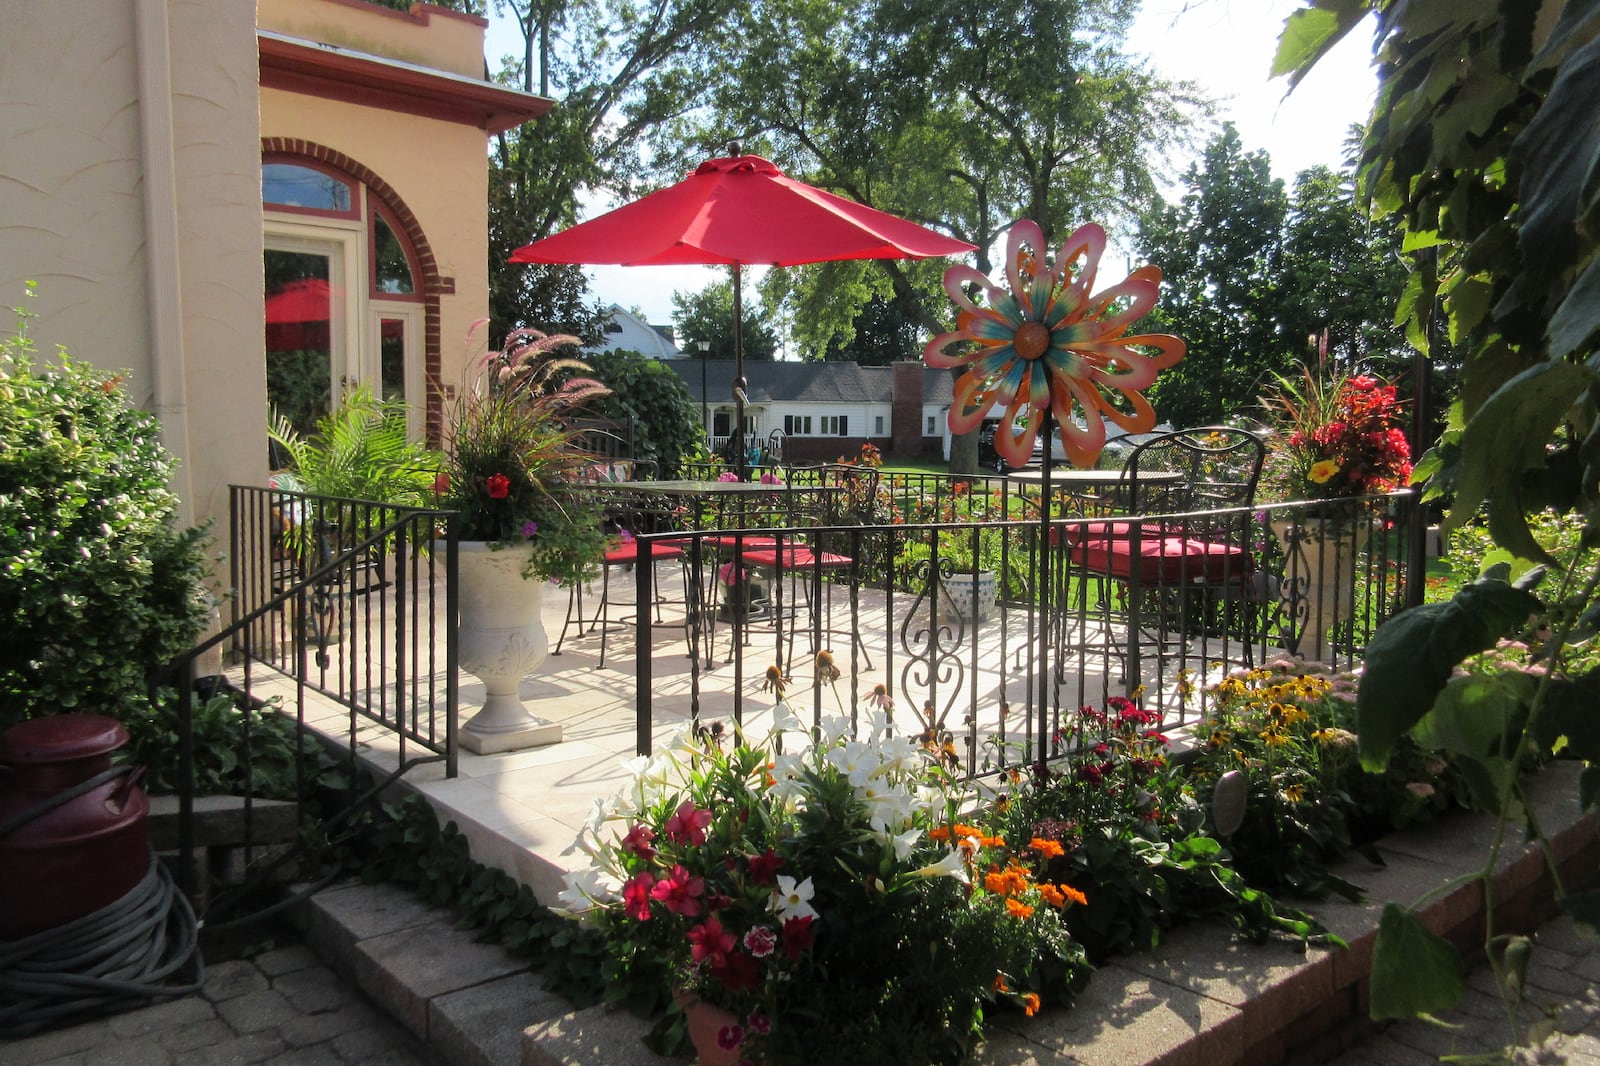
{"x": 1475, "y": 715}
{"x": 1560, "y": 152}
{"x": 1413, "y": 971}
{"x": 1411, "y": 656}
{"x": 1506, "y": 438}
{"x": 1310, "y": 32}
{"x": 1571, "y": 711}
{"x": 1576, "y": 320}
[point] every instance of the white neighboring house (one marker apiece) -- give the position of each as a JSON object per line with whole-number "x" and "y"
{"x": 629, "y": 332}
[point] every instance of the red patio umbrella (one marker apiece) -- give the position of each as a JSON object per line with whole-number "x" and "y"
{"x": 740, "y": 211}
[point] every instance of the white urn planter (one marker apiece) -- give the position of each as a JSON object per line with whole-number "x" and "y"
{"x": 1320, "y": 578}
{"x": 501, "y": 641}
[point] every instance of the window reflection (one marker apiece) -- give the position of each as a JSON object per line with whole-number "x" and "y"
{"x": 291, "y": 185}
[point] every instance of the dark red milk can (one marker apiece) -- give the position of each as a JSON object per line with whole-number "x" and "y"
{"x": 73, "y": 836}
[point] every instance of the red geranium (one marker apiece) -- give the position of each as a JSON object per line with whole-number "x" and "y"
{"x": 498, "y": 486}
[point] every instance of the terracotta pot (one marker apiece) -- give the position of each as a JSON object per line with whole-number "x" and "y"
{"x": 705, "y": 1020}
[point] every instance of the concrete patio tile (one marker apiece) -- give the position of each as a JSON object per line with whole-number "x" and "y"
{"x": 1125, "y": 1017}
{"x": 339, "y": 918}
{"x": 464, "y": 799}
{"x": 1271, "y": 984}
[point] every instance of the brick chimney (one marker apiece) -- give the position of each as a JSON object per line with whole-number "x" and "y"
{"x": 905, "y": 420}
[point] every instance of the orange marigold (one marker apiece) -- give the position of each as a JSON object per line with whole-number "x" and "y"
{"x": 1049, "y": 849}
{"x": 1052, "y": 895}
{"x": 1000, "y": 983}
{"x": 1074, "y": 895}
{"x": 1018, "y": 909}
{"x": 1030, "y": 1003}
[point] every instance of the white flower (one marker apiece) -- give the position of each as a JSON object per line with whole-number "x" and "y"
{"x": 585, "y": 889}
{"x": 901, "y": 753}
{"x": 902, "y": 843}
{"x": 856, "y": 761}
{"x": 835, "y": 728}
{"x": 953, "y": 864}
{"x": 793, "y": 900}
{"x": 784, "y": 720}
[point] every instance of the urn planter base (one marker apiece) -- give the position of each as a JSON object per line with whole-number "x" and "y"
{"x": 502, "y": 640}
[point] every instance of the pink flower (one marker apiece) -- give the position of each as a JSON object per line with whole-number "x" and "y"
{"x": 710, "y": 942}
{"x": 798, "y": 936}
{"x": 760, "y": 941}
{"x": 759, "y": 1023}
{"x": 636, "y": 896}
{"x": 727, "y": 475}
{"x": 680, "y": 892}
{"x": 764, "y": 868}
{"x": 529, "y": 528}
{"x": 638, "y": 841}
{"x": 730, "y": 1037}
{"x": 688, "y": 824}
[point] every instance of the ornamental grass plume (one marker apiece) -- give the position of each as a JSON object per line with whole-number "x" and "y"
{"x": 511, "y": 466}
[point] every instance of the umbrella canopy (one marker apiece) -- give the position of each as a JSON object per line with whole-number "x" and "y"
{"x": 739, "y": 211}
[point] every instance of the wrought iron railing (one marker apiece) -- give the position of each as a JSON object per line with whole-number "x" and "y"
{"x": 1070, "y": 624}
{"x": 348, "y": 600}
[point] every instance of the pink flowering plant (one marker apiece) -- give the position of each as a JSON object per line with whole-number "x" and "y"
{"x": 511, "y": 467}
{"x": 819, "y": 889}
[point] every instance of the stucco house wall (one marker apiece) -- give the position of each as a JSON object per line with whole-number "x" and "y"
{"x": 130, "y": 190}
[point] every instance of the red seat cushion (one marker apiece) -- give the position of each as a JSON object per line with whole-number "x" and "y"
{"x": 628, "y": 552}
{"x": 1162, "y": 559}
{"x": 794, "y": 557}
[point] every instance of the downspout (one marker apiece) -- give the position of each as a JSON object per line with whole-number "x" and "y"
{"x": 163, "y": 277}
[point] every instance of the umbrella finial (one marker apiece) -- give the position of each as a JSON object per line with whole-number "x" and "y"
{"x": 735, "y": 148}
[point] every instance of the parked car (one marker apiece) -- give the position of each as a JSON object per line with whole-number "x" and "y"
{"x": 989, "y": 459}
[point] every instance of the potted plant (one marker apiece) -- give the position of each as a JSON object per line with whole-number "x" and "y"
{"x": 1335, "y": 442}
{"x": 822, "y": 898}
{"x": 511, "y": 472}
{"x": 973, "y": 564}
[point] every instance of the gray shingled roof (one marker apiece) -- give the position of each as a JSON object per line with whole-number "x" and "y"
{"x": 806, "y": 382}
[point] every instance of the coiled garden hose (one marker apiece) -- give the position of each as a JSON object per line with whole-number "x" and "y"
{"x": 119, "y": 957}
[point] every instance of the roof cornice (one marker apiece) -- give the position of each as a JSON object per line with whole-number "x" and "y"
{"x": 294, "y": 64}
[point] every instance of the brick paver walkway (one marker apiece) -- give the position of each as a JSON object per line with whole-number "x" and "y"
{"x": 283, "y": 1007}
{"x": 1563, "y": 996}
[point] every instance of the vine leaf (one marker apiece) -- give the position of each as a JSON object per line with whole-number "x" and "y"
{"x": 1411, "y": 656}
{"x": 1413, "y": 971}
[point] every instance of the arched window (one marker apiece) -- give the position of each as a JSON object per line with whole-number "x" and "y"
{"x": 344, "y": 295}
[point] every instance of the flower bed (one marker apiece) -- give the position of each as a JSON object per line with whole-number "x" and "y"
{"x": 845, "y": 897}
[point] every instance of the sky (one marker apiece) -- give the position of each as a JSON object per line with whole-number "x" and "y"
{"x": 1225, "y": 46}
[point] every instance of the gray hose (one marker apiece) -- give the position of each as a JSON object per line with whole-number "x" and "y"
{"x": 114, "y": 959}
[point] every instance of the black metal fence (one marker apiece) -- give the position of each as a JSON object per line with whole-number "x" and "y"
{"x": 349, "y": 600}
{"x": 985, "y": 625}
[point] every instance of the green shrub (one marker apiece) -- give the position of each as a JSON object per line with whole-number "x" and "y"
{"x": 97, "y": 587}
{"x": 666, "y": 421}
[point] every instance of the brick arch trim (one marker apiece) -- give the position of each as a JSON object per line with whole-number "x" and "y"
{"x": 434, "y": 284}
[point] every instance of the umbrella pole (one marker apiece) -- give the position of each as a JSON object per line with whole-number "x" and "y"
{"x": 742, "y": 462}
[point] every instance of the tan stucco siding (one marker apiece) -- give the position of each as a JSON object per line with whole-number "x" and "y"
{"x": 439, "y": 170}
{"x": 73, "y": 212}
{"x": 430, "y": 37}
